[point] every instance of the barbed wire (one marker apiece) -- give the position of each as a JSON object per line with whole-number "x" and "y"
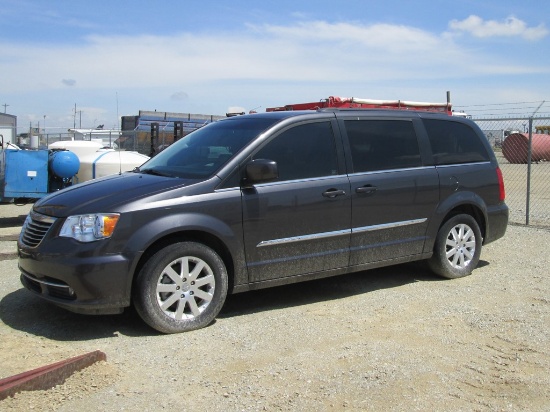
{"x": 510, "y": 115}
{"x": 525, "y": 115}
{"x": 504, "y": 104}
{"x": 504, "y": 108}
{"x": 520, "y": 109}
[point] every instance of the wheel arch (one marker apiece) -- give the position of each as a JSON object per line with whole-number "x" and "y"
{"x": 198, "y": 236}
{"x": 462, "y": 202}
{"x": 469, "y": 209}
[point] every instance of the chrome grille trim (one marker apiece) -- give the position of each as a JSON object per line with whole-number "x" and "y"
{"x": 35, "y": 228}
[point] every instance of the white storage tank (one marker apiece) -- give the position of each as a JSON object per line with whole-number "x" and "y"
{"x": 78, "y": 147}
{"x": 108, "y": 162}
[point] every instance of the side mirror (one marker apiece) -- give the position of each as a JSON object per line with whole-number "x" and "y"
{"x": 261, "y": 171}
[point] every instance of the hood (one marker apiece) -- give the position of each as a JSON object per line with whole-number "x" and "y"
{"x": 110, "y": 194}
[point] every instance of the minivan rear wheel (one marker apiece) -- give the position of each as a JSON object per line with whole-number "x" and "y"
{"x": 457, "y": 247}
{"x": 182, "y": 287}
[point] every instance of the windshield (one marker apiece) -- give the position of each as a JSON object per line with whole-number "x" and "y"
{"x": 203, "y": 152}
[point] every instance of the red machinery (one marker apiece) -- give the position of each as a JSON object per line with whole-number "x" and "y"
{"x": 357, "y": 103}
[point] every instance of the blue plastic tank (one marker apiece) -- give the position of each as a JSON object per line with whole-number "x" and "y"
{"x": 64, "y": 164}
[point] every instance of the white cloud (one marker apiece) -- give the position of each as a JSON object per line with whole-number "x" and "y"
{"x": 392, "y": 38}
{"x": 256, "y": 66}
{"x": 510, "y": 27}
{"x": 306, "y": 51}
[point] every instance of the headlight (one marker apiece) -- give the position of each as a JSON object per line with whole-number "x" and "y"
{"x": 88, "y": 228}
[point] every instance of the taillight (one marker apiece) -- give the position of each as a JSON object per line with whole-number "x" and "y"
{"x": 501, "y": 191}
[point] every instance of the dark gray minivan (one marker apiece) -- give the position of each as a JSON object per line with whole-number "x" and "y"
{"x": 267, "y": 199}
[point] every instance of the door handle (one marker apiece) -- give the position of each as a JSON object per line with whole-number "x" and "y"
{"x": 332, "y": 193}
{"x": 368, "y": 189}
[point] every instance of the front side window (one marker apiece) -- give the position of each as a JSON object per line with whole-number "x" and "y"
{"x": 454, "y": 143}
{"x": 303, "y": 152}
{"x": 382, "y": 145}
{"x": 203, "y": 152}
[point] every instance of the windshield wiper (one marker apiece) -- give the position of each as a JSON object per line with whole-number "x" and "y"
{"x": 154, "y": 172}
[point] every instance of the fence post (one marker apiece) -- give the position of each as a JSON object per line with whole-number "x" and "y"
{"x": 529, "y": 158}
{"x": 154, "y": 137}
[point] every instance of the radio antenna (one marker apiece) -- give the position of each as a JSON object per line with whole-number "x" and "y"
{"x": 119, "y": 136}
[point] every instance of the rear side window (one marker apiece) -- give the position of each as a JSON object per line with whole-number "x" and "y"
{"x": 454, "y": 143}
{"x": 382, "y": 145}
{"x": 302, "y": 152}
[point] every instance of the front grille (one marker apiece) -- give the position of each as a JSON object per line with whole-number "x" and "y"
{"x": 35, "y": 228}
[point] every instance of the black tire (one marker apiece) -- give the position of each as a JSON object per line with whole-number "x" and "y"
{"x": 180, "y": 288}
{"x": 457, "y": 247}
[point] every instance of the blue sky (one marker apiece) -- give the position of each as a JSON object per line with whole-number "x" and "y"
{"x": 114, "y": 57}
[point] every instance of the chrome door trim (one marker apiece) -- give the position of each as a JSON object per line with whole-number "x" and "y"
{"x": 385, "y": 226}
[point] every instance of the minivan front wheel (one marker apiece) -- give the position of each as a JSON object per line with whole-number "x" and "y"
{"x": 182, "y": 287}
{"x": 457, "y": 247}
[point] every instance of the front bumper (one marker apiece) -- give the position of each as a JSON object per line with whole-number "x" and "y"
{"x": 93, "y": 284}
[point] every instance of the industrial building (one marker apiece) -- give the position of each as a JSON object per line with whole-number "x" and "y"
{"x": 8, "y": 127}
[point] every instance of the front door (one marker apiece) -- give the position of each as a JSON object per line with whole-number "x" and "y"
{"x": 300, "y": 223}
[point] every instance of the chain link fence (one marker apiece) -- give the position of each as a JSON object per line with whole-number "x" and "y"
{"x": 521, "y": 144}
{"x": 522, "y": 147}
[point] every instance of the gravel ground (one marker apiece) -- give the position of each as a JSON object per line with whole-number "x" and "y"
{"x": 396, "y": 339}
